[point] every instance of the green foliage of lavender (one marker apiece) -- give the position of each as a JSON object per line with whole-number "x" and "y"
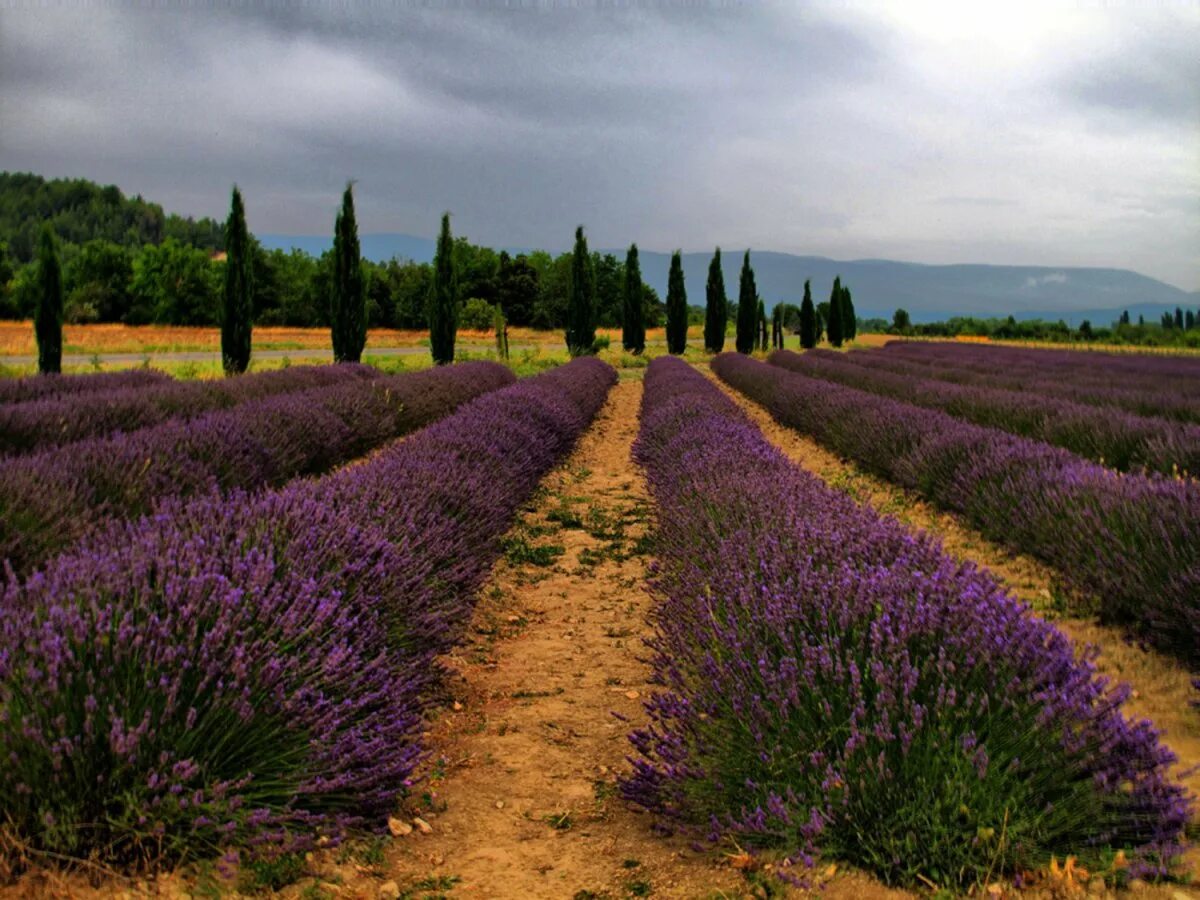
{"x": 832, "y": 683}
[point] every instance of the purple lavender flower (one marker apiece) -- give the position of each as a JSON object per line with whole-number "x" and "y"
{"x": 832, "y": 682}
{"x": 1119, "y": 439}
{"x": 41, "y": 387}
{"x": 251, "y": 670}
{"x": 61, "y": 419}
{"x": 48, "y": 500}
{"x": 1126, "y": 539}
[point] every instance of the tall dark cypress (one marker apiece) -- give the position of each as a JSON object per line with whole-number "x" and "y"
{"x": 348, "y": 304}
{"x": 48, "y": 314}
{"x": 443, "y": 298}
{"x": 762, "y": 325}
{"x": 747, "y": 320}
{"x": 777, "y": 327}
{"x": 633, "y": 322}
{"x": 677, "y": 311}
{"x": 834, "y": 326}
{"x": 581, "y": 301}
{"x": 1179, "y": 318}
{"x": 716, "y": 306}
{"x": 237, "y": 311}
{"x": 808, "y": 319}
{"x": 849, "y": 320}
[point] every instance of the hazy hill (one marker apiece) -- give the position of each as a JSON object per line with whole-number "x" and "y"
{"x": 879, "y": 285}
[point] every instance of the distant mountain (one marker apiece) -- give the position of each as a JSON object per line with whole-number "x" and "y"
{"x": 879, "y": 286}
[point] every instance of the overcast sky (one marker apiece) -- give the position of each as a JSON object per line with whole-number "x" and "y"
{"x": 1041, "y": 134}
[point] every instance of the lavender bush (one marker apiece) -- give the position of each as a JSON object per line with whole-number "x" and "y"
{"x": 1180, "y": 373}
{"x": 1162, "y": 397}
{"x": 832, "y": 683}
{"x": 53, "y": 421}
{"x": 1128, "y": 540}
{"x": 49, "y": 500}
{"x": 1114, "y": 437}
{"x": 42, "y": 387}
{"x": 251, "y": 671}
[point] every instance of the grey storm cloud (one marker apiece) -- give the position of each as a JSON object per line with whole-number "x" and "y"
{"x": 1069, "y": 137}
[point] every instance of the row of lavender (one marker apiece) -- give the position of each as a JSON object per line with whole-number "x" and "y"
{"x": 1128, "y": 540}
{"x": 63, "y": 418}
{"x": 49, "y": 500}
{"x": 833, "y": 683}
{"x": 1163, "y": 400}
{"x": 1113, "y": 437}
{"x": 1181, "y": 373}
{"x": 42, "y": 387}
{"x": 251, "y": 671}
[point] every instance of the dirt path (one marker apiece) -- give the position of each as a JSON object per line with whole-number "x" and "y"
{"x": 1162, "y": 688}
{"x": 521, "y": 796}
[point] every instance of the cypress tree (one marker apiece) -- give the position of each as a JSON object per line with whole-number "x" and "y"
{"x": 443, "y": 298}
{"x": 500, "y": 326}
{"x": 48, "y": 314}
{"x": 747, "y": 320}
{"x": 348, "y": 308}
{"x": 834, "y": 326}
{"x": 716, "y": 307}
{"x": 762, "y": 325}
{"x": 1189, "y": 320}
{"x": 849, "y": 319}
{"x": 677, "y": 312}
{"x": 581, "y": 301}
{"x": 633, "y": 323}
{"x": 777, "y": 327}
{"x": 1179, "y": 318}
{"x": 238, "y": 309}
{"x": 808, "y": 319}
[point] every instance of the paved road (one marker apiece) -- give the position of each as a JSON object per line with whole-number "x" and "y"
{"x": 317, "y": 353}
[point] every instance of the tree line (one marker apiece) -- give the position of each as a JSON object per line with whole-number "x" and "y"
{"x": 465, "y": 286}
{"x": 1178, "y": 329}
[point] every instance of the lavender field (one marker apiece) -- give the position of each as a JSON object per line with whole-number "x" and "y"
{"x": 242, "y": 621}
